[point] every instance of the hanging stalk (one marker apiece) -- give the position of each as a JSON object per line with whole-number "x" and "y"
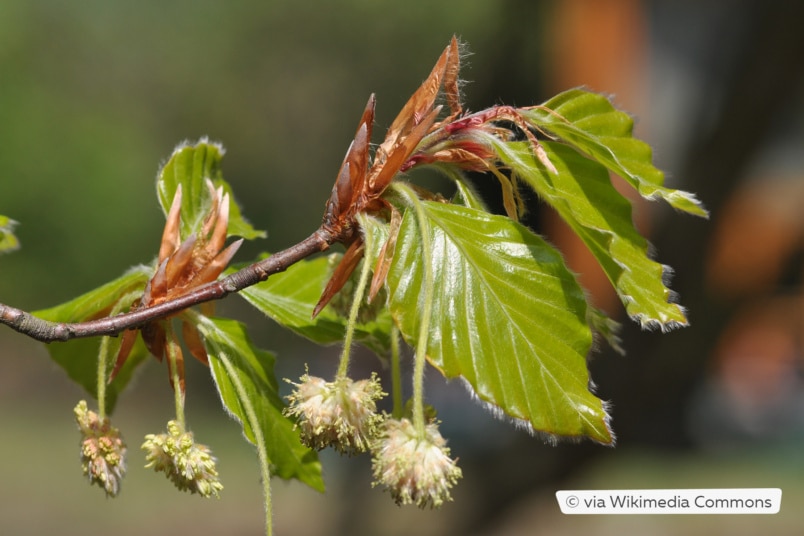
{"x": 412, "y": 200}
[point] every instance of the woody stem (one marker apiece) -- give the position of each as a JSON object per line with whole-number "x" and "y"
{"x": 46, "y": 331}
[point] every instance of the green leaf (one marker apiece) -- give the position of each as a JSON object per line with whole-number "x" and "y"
{"x": 589, "y": 123}
{"x": 288, "y": 298}
{"x": 465, "y": 195}
{"x": 190, "y": 165}
{"x": 79, "y": 357}
{"x": 231, "y": 351}
{"x": 8, "y": 242}
{"x": 508, "y": 317}
{"x": 606, "y": 328}
{"x": 582, "y": 194}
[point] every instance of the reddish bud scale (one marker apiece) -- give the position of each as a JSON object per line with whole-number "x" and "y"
{"x": 182, "y": 267}
{"x": 414, "y": 139}
{"x": 359, "y": 186}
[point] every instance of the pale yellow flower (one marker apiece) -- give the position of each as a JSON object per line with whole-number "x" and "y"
{"x": 189, "y": 465}
{"x": 103, "y": 452}
{"x": 342, "y": 414}
{"x": 415, "y": 469}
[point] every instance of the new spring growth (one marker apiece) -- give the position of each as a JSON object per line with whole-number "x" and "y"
{"x": 415, "y": 469}
{"x": 341, "y": 414}
{"x": 189, "y": 465}
{"x": 103, "y": 452}
{"x": 181, "y": 267}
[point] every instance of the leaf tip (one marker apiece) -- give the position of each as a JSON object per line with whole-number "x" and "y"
{"x": 604, "y": 436}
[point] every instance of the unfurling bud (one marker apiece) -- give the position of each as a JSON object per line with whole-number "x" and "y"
{"x": 103, "y": 452}
{"x": 190, "y": 466}
{"x": 415, "y": 469}
{"x": 342, "y": 414}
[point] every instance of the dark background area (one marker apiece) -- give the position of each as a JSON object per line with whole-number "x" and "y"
{"x": 94, "y": 95}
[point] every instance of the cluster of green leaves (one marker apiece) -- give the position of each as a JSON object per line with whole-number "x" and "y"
{"x": 509, "y": 317}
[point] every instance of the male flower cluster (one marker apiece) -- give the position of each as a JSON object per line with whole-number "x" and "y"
{"x": 189, "y": 465}
{"x": 341, "y": 414}
{"x": 103, "y": 452}
{"x": 416, "y": 469}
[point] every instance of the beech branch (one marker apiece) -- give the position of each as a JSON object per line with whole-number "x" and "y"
{"x": 46, "y": 331}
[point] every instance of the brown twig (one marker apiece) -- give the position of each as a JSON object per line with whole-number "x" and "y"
{"x": 46, "y": 331}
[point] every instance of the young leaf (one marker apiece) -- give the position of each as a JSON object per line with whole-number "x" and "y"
{"x": 8, "y": 242}
{"x": 190, "y": 166}
{"x": 79, "y": 357}
{"x": 508, "y": 317}
{"x": 465, "y": 193}
{"x": 589, "y": 123}
{"x": 582, "y": 193}
{"x": 231, "y": 352}
{"x": 288, "y": 298}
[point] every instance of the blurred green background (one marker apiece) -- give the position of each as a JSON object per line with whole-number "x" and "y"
{"x": 94, "y": 95}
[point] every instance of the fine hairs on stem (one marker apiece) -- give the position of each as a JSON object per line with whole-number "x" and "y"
{"x": 357, "y": 302}
{"x": 174, "y": 357}
{"x": 420, "y": 361}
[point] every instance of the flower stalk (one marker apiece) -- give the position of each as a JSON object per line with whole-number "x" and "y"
{"x": 103, "y": 362}
{"x": 396, "y": 375}
{"x": 357, "y": 302}
{"x": 259, "y": 440}
{"x": 428, "y": 290}
{"x": 176, "y": 368}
